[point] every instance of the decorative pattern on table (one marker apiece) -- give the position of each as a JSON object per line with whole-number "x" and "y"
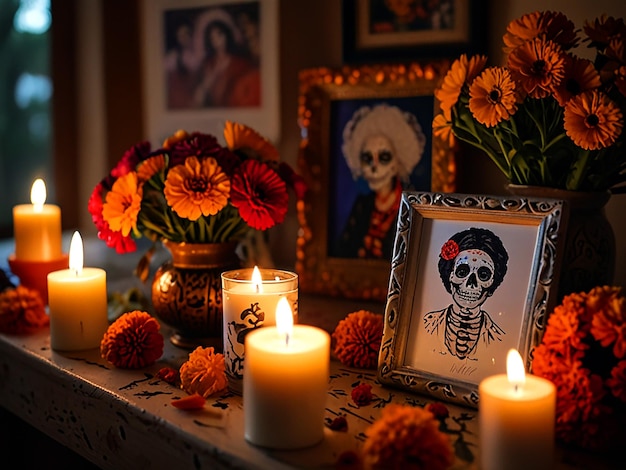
{"x": 357, "y": 399}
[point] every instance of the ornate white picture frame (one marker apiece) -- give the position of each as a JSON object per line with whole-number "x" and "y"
{"x": 471, "y": 277}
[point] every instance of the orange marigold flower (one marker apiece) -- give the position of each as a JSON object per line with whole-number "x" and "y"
{"x": 132, "y": 341}
{"x": 442, "y": 127}
{"x": 240, "y": 137}
{"x": 199, "y": 187}
{"x": 150, "y": 167}
{"x": 617, "y": 381}
{"x": 580, "y": 75}
{"x": 122, "y": 204}
{"x": 259, "y": 194}
{"x": 178, "y": 136}
{"x": 603, "y": 29}
{"x": 492, "y": 96}
{"x": 538, "y": 66}
{"x": 554, "y": 26}
{"x": 565, "y": 328}
{"x": 357, "y": 339}
{"x": 462, "y": 72}
{"x": 592, "y": 120}
{"x": 607, "y": 332}
{"x": 21, "y": 311}
{"x": 406, "y": 437}
{"x": 203, "y": 373}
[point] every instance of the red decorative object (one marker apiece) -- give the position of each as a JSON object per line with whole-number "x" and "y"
{"x": 583, "y": 351}
{"x": 34, "y": 274}
{"x": 357, "y": 339}
{"x": 362, "y": 395}
{"x": 169, "y": 375}
{"x": 192, "y": 402}
{"x": 133, "y": 341}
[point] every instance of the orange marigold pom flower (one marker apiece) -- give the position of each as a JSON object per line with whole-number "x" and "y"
{"x": 357, "y": 339}
{"x": 582, "y": 352}
{"x": 132, "y": 341}
{"x": 21, "y": 311}
{"x": 409, "y": 438}
{"x": 204, "y": 373}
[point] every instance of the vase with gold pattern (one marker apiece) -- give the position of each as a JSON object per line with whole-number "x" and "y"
{"x": 187, "y": 292}
{"x": 589, "y": 247}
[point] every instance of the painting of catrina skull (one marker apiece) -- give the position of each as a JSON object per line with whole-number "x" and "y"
{"x": 472, "y": 264}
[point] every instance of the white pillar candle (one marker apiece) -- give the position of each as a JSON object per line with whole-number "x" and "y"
{"x": 285, "y": 383}
{"x": 77, "y": 299}
{"x": 37, "y": 227}
{"x": 516, "y": 419}
{"x": 250, "y": 298}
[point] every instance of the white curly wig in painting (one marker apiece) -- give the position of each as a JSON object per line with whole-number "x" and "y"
{"x": 399, "y": 127}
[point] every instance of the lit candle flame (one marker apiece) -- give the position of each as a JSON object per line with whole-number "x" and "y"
{"x": 515, "y": 369}
{"x": 284, "y": 318}
{"x": 76, "y": 254}
{"x": 257, "y": 280}
{"x": 38, "y": 194}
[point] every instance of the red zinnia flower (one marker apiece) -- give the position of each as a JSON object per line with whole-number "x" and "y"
{"x": 259, "y": 194}
{"x": 130, "y": 159}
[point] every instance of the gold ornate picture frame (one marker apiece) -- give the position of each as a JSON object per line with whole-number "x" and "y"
{"x": 472, "y": 277}
{"x": 331, "y": 103}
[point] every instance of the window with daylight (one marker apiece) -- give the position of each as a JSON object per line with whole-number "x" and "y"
{"x": 25, "y": 103}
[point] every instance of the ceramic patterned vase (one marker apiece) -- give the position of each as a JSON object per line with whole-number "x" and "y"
{"x": 589, "y": 251}
{"x": 187, "y": 292}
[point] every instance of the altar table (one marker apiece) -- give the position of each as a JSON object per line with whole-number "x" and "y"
{"x": 123, "y": 419}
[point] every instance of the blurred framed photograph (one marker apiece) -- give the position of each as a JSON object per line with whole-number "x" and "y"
{"x": 382, "y": 30}
{"x": 366, "y": 137}
{"x": 206, "y": 61}
{"x": 472, "y": 277}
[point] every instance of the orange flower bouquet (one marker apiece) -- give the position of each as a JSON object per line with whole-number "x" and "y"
{"x": 194, "y": 190}
{"x": 583, "y": 351}
{"x": 548, "y": 117}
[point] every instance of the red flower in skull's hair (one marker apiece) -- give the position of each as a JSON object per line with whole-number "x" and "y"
{"x": 449, "y": 250}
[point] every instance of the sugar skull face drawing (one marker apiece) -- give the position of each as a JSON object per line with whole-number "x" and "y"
{"x": 471, "y": 278}
{"x": 472, "y": 264}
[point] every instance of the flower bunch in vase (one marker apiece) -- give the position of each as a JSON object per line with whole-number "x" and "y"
{"x": 549, "y": 117}
{"x": 194, "y": 190}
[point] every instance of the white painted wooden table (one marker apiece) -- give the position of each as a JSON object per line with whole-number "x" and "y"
{"x": 123, "y": 419}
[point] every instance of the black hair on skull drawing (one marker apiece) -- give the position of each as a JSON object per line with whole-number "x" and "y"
{"x": 472, "y": 264}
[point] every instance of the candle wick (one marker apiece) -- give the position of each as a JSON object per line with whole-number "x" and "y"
{"x": 286, "y": 339}
{"x": 258, "y": 288}
{"x": 516, "y": 388}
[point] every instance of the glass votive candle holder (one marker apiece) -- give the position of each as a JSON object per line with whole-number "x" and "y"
{"x": 250, "y": 304}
